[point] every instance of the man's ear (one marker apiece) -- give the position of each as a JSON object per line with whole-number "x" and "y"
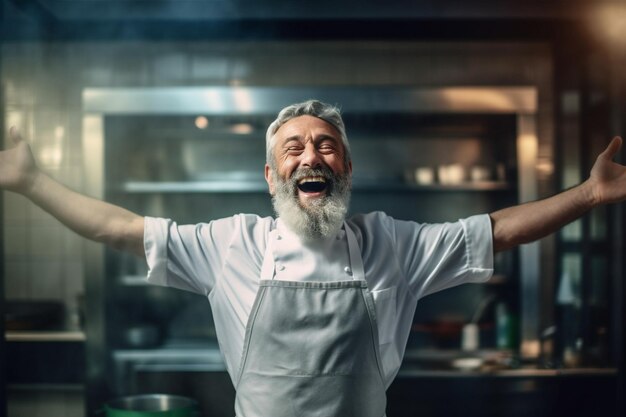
{"x": 269, "y": 179}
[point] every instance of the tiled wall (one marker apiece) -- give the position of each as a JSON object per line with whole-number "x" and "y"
{"x": 43, "y": 84}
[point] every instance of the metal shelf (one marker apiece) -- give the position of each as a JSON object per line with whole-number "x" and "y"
{"x": 45, "y": 336}
{"x": 146, "y": 187}
{"x": 250, "y": 186}
{"x": 134, "y": 280}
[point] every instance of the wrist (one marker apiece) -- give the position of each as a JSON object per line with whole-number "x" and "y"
{"x": 33, "y": 184}
{"x": 589, "y": 193}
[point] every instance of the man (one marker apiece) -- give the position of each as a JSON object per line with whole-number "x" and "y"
{"x": 312, "y": 311}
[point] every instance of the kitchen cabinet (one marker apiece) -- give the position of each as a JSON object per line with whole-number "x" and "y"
{"x": 533, "y": 393}
{"x": 45, "y": 370}
{"x": 42, "y": 360}
{"x": 36, "y": 331}
{"x": 45, "y": 358}
{"x": 587, "y": 300}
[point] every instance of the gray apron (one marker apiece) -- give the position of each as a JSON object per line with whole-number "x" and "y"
{"x": 311, "y": 348}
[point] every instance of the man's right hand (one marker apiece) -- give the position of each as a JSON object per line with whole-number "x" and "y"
{"x": 18, "y": 169}
{"x": 94, "y": 219}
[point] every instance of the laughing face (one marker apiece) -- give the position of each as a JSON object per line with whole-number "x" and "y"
{"x": 309, "y": 177}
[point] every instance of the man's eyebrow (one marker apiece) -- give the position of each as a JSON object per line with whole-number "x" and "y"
{"x": 326, "y": 137}
{"x": 293, "y": 138}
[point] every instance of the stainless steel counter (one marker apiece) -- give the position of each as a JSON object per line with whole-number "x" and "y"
{"x": 409, "y": 372}
{"x": 484, "y": 363}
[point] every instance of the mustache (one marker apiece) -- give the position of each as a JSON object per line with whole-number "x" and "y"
{"x": 300, "y": 173}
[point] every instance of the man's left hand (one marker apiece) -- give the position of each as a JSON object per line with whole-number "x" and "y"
{"x": 608, "y": 178}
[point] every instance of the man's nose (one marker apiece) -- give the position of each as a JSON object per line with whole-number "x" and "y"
{"x": 310, "y": 157}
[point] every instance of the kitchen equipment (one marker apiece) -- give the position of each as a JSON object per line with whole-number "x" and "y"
{"x": 424, "y": 175}
{"x": 151, "y": 405}
{"x": 142, "y": 336}
{"x": 470, "y": 339}
{"x": 453, "y": 174}
{"x": 480, "y": 173}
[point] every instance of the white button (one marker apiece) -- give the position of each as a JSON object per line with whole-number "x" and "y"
{"x": 348, "y": 270}
{"x": 281, "y": 267}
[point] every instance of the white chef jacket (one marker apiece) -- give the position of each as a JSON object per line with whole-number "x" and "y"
{"x": 403, "y": 261}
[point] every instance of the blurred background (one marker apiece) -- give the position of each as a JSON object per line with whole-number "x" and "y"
{"x": 453, "y": 108}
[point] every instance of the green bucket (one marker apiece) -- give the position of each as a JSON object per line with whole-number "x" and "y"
{"x": 151, "y": 405}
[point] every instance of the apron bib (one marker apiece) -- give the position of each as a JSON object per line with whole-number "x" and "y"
{"x": 311, "y": 348}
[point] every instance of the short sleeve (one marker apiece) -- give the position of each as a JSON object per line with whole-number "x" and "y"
{"x": 440, "y": 256}
{"x": 188, "y": 257}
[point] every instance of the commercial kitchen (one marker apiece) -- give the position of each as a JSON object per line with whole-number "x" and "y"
{"x": 452, "y": 109}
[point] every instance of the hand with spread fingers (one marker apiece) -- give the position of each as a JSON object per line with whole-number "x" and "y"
{"x": 18, "y": 169}
{"x": 527, "y": 222}
{"x": 608, "y": 178}
{"x": 89, "y": 217}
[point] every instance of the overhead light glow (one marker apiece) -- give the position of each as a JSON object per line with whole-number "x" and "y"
{"x": 243, "y": 99}
{"x": 609, "y": 22}
{"x": 202, "y": 122}
{"x": 242, "y": 128}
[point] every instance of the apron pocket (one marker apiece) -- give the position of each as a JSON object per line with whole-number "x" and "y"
{"x": 385, "y": 303}
{"x": 268, "y": 395}
{"x": 340, "y": 396}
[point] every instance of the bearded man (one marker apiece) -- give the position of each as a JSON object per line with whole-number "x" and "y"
{"x": 312, "y": 310}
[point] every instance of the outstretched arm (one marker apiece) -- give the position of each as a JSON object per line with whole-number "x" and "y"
{"x": 531, "y": 221}
{"x": 89, "y": 217}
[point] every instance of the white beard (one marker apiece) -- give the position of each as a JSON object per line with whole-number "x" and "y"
{"x": 320, "y": 219}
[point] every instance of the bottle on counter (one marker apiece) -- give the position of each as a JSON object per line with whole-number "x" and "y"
{"x": 569, "y": 306}
{"x": 504, "y": 327}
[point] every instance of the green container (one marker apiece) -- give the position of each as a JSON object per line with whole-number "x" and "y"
{"x": 151, "y": 405}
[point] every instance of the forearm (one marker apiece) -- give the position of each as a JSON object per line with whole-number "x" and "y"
{"x": 91, "y": 218}
{"x": 531, "y": 221}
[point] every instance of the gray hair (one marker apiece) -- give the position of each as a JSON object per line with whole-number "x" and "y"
{"x": 327, "y": 112}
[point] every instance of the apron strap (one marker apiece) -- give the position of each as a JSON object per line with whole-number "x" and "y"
{"x": 356, "y": 260}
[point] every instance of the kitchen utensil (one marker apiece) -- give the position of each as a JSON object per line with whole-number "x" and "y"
{"x": 151, "y": 405}
{"x": 453, "y": 174}
{"x": 480, "y": 173}
{"x": 424, "y": 175}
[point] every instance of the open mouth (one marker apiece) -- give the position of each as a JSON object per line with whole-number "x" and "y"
{"x": 312, "y": 184}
